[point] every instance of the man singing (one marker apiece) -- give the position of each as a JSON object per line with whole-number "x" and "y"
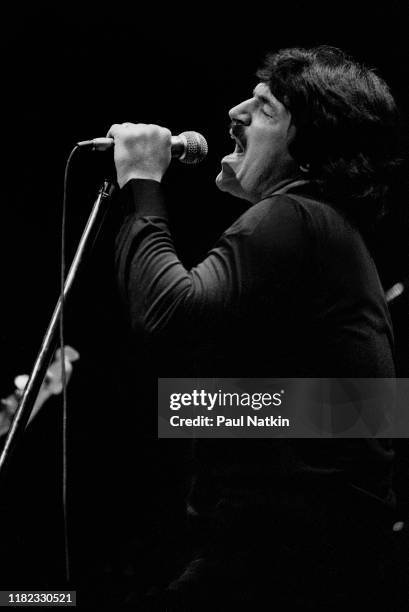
{"x": 289, "y": 290}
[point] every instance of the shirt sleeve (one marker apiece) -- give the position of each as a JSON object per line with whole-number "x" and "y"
{"x": 256, "y": 255}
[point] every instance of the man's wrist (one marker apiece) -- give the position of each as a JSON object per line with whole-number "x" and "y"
{"x": 145, "y": 197}
{"x": 138, "y": 174}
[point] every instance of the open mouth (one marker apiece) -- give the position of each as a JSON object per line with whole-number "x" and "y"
{"x": 240, "y": 147}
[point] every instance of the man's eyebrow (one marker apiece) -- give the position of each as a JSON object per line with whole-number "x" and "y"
{"x": 263, "y": 98}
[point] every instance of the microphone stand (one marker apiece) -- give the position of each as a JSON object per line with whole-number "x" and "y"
{"x": 42, "y": 362}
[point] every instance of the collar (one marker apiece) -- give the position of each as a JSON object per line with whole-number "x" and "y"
{"x": 288, "y": 186}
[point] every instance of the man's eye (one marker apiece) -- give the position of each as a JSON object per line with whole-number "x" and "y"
{"x": 268, "y": 114}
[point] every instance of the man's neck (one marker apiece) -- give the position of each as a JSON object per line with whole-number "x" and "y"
{"x": 285, "y": 185}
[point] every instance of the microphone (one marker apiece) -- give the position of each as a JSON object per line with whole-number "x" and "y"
{"x": 188, "y": 147}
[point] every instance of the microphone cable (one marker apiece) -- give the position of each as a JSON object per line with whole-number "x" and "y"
{"x": 63, "y": 370}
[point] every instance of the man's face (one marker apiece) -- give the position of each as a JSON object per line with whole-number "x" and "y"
{"x": 262, "y": 129}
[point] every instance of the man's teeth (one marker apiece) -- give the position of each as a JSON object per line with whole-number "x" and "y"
{"x": 239, "y": 148}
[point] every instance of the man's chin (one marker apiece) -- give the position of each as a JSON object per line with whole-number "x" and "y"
{"x": 227, "y": 181}
{"x": 221, "y": 181}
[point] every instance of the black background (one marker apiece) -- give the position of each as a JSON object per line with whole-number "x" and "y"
{"x": 67, "y": 75}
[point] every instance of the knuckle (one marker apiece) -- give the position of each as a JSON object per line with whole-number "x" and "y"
{"x": 113, "y": 130}
{"x": 154, "y": 129}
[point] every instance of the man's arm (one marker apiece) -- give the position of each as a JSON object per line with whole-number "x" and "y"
{"x": 262, "y": 253}
{"x": 160, "y": 293}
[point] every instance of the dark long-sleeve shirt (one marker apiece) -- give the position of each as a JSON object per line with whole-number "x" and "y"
{"x": 289, "y": 290}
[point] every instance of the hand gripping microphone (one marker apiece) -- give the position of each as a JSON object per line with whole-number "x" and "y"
{"x": 188, "y": 147}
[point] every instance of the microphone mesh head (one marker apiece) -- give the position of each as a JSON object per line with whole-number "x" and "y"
{"x": 196, "y": 148}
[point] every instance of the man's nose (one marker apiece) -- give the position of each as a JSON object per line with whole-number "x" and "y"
{"x": 241, "y": 113}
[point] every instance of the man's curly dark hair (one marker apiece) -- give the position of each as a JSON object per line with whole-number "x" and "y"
{"x": 347, "y": 125}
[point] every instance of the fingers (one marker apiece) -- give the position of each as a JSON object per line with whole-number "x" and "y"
{"x": 127, "y": 130}
{"x": 141, "y": 151}
{"x": 113, "y": 130}
{"x": 116, "y": 129}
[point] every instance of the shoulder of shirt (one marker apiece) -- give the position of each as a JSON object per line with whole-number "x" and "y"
{"x": 299, "y": 203}
{"x": 302, "y": 210}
